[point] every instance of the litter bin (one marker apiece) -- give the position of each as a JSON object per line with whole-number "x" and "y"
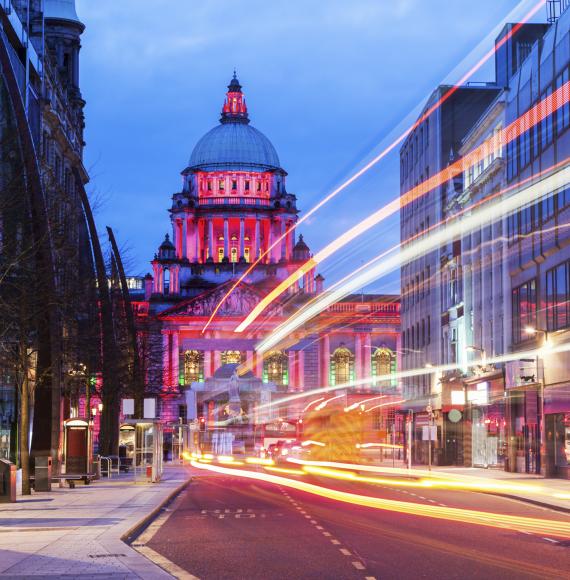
{"x": 7, "y": 481}
{"x": 43, "y": 473}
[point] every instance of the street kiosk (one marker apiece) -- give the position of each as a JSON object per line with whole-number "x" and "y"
{"x": 78, "y": 449}
{"x": 145, "y": 438}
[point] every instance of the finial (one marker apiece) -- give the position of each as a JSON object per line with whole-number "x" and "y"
{"x": 235, "y": 73}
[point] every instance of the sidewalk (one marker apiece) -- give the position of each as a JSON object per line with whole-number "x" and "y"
{"x": 553, "y": 493}
{"x": 69, "y": 533}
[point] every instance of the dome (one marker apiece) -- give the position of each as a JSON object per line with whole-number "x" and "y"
{"x": 234, "y": 146}
{"x": 61, "y": 9}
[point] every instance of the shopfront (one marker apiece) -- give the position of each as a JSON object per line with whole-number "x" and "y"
{"x": 523, "y": 416}
{"x": 488, "y": 424}
{"x": 557, "y": 413}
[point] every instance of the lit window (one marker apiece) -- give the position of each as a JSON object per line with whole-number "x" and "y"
{"x": 220, "y": 254}
{"x": 275, "y": 368}
{"x": 231, "y": 357}
{"x": 342, "y": 366}
{"x": 221, "y": 184}
{"x": 193, "y": 367}
{"x": 246, "y": 254}
{"x": 234, "y": 184}
{"x": 209, "y": 185}
{"x": 384, "y": 361}
{"x": 234, "y": 253}
{"x": 247, "y": 185}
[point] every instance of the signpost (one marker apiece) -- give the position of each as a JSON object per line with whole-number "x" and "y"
{"x": 429, "y": 410}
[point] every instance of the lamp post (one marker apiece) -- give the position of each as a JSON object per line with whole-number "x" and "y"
{"x": 533, "y": 331}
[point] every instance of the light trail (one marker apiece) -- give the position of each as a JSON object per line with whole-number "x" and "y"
{"x": 325, "y": 403}
{"x": 410, "y": 252}
{"x": 565, "y": 347}
{"x": 310, "y": 404}
{"x": 560, "y": 529}
{"x": 527, "y": 121}
{"x": 357, "y": 404}
{"x": 522, "y": 21}
{"x": 386, "y": 405}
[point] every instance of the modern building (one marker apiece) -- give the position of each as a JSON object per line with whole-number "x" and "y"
{"x": 493, "y": 288}
{"x": 236, "y": 216}
{"x": 47, "y": 244}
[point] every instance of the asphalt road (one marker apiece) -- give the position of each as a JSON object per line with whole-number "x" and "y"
{"x": 225, "y": 527}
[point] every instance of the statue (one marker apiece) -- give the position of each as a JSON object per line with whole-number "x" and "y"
{"x": 233, "y": 387}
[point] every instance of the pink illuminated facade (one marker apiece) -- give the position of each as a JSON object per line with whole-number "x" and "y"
{"x": 233, "y": 207}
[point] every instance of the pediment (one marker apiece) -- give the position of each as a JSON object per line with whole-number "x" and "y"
{"x": 239, "y": 303}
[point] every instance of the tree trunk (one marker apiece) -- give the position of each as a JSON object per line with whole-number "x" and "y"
{"x": 25, "y": 420}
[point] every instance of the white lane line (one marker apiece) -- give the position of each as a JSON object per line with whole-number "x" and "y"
{"x": 319, "y": 527}
{"x": 303, "y": 512}
{"x": 358, "y": 565}
{"x": 335, "y": 542}
{"x": 525, "y": 532}
{"x": 421, "y": 497}
{"x": 327, "y": 534}
{"x": 369, "y": 578}
{"x": 551, "y": 540}
{"x": 313, "y": 521}
{"x": 432, "y": 500}
{"x": 308, "y": 517}
{"x": 345, "y": 552}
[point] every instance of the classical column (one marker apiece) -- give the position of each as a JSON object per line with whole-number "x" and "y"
{"x": 301, "y": 369}
{"x": 259, "y": 365}
{"x": 175, "y": 358}
{"x": 207, "y": 364}
{"x": 166, "y": 368}
{"x": 226, "y": 238}
{"x": 325, "y": 360}
{"x": 184, "y": 239}
{"x": 358, "y": 359}
{"x": 271, "y": 237}
{"x": 249, "y": 360}
{"x": 292, "y": 355}
{"x": 190, "y": 240}
{"x": 211, "y": 239}
{"x": 178, "y": 237}
{"x": 367, "y": 352}
{"x": 217, "y": 360}
{"x": 283, "y": 242}
{"x": 198, "y": 238}
{"x": 288, "y": 242}
{"x": 257, "y": 234}
{"x": 241, "y": 238}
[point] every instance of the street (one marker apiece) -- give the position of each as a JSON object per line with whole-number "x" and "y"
{"x": 225, "y": 527}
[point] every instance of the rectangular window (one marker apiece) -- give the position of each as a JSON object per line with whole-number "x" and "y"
{"x": 247, "y": 185}
{"x": 234, "y": 184}
{"x": 563, "y": 114}
{"x": 221, "y": 184}
{"x": 547, "y": 126}
{"x": 523, "y": 309}
{"x": 557, "y": 297}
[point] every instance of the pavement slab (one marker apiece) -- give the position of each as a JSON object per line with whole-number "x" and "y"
{"x": 78, "y": 533}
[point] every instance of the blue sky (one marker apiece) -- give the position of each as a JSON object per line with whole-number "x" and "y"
{"x": 325, "y": 80}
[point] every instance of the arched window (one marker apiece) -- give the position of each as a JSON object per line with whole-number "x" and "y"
{"x": 234, "y": 253}
{"x": 276, "y": 368}
{"x": 383, "y": 362}
{"x": 342, "y": 366}
{"x": 231, "y": 357}
{"x": 193, "y": 367}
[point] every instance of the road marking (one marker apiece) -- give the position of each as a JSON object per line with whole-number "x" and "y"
{"x": 165, "y": 563}
{"x": 328, "y": 534}
{"x": 345, "y": 551}
{"x": 369, "y": 578}
{"x": 308, "y": 517}
{"x": 551, "y": 540}
{"x": 303, "y": 512}
{"x": 421, "y": 496}
{"x": 313, "y": 521}
{"x": 335, "y": 542}
{"x": 432, "y": 500}
{"x": 358, "y": 565}
{"x": 319, "y": 527}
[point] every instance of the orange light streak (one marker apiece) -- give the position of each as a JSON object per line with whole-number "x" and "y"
{"x": 519, "y": 126}
{"x": 560, "y": 529}
{"x": 382, "y": 154}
